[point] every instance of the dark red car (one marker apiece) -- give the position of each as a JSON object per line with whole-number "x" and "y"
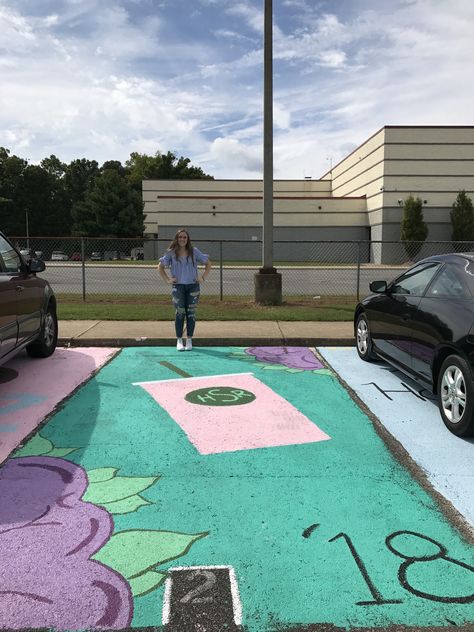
{"x": 27, "y": 306}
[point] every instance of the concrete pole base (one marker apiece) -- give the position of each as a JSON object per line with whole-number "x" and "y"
{"x": 268, "y": 287}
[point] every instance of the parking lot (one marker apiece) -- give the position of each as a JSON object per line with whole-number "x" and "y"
{"x": 261, "y": 488}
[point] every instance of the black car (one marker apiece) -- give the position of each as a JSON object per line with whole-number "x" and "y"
{"x": 27, "y": 306}
{"x": 423, "y": 324}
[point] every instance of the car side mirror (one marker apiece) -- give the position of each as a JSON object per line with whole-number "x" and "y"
{"x": 36, "y": 265}
{"x": 378, "y": 287}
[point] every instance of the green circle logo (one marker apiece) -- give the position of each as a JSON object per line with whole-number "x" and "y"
{"x": 220, "y": 396}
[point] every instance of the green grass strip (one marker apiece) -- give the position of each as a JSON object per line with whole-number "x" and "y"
{"x": 158, "y": 307}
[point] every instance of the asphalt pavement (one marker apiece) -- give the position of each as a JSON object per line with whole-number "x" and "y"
{"x": 85, "y": 333}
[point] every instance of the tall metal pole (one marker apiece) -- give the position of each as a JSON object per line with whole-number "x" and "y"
{"x": 268, "y": 280}
{"x": 268, "y": 137}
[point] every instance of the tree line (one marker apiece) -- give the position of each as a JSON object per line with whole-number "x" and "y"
{"x": 82, "y": 198}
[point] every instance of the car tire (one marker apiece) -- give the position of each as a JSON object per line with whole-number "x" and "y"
{"x": 456, "y": 396}
{"x": 45, "y": 344}
{"x": 364, "y": 344}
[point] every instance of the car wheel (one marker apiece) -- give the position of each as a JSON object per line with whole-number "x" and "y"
{"x": 45, "y": 345}
{"x": 364, "y": 339}
{"x": 456, "y": 396}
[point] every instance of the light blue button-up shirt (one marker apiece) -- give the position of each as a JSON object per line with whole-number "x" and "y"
{"x": 184, "y": 269}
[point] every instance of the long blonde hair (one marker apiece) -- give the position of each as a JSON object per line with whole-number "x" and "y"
{"x": 174, "y": 245}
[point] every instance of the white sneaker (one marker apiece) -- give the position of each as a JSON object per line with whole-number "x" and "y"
{"x": 179, "y": 344}
{"x": 189, "y": 344}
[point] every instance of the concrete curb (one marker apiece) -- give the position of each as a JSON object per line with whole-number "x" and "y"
{"x": 90, "y": 333}
{"x": 207, "y": 342}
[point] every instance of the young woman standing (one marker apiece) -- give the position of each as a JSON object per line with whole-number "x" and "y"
{"x": 182, "y": 259}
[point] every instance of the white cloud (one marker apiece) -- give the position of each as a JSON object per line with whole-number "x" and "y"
{"x": 229, "y": 153}
{"x": 84, "y": 78}
{"x": 16, "y": 31}
{"x": 281, "y": 117}
{"x": 252, "y": 15}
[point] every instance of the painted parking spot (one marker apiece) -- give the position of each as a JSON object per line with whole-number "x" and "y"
{"x": 410, "y": 413}
{"x": 30, "y": 389}
{"x": 329, "y": 531}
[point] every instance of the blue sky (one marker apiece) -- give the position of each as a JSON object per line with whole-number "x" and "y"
{"x": 99, "y": 79}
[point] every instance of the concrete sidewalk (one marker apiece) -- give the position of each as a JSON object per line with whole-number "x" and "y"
{"x": 112, "y": 333}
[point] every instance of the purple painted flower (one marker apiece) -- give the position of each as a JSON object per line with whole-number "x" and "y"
{"x": 47, "y": 536}
{"x": 291, "y": 357}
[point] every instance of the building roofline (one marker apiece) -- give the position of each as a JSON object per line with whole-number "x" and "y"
{"x": 394, "y": 127}
{"x": 309, "y": 179}
{"x": 259, "y": 197}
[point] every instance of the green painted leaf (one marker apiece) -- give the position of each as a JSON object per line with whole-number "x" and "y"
{"x": 39, "y": 445}
{"x": 294, "y": 370}
{"x": 36, "y": 446}
{"x": 145, "y": 583}
{"x": 275, "y": 367}
{"x": 60, "y": 452}
{"x": 132, "y": 553}
{"x": 100, "y": 474}
{"x": 127, "y": 505}
{"x": 117, "y": 488}
{"x": 323, "y": 371}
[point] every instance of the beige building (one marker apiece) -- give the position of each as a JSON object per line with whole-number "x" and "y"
{"x": 361, "y": 198}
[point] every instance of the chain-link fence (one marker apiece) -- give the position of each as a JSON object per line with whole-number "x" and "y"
{"x": 90, "y": 267}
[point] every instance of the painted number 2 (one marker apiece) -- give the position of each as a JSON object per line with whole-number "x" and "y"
{"x": 439, "y": 553}
{"x": 193, "y": 595}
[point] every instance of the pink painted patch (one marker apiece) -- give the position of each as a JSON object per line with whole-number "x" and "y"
{"x": 209, "y": 411}
{"x": 39, "y": 386}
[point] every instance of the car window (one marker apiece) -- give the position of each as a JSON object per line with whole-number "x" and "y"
{"x": 415, "y": 281}
{"x": 10, "y": 260}
{"x": 449, "y": 284}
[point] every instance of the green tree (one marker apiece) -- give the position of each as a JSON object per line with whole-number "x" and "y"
{"x": 79, "y": 178}
{"x": 413, "y": 230}
{"x": 58, "y": 197}
{"x": 161, "y": 166}
{"x": 33, "y": 191}
{"x": 36, "y": 197}
{"x": 115, "y": 165}
{"x": 12, "y": 215}
{"x": 54, "y": 166}
{"x": 59, "y": 216}
{"x": 111, "y": 209}
{"x": 462, "y": 219}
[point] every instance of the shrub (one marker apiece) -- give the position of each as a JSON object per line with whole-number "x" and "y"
{"x": 462, "y": 219}
{"x": 413, "y": 230}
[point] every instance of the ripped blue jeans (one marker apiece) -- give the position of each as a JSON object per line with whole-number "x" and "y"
{"x": 185, "y": 300}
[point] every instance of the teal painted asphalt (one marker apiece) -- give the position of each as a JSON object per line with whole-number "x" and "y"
{"x": 334, "y": 531}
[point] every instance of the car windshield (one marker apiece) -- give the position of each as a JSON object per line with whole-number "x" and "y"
{"x": 9, "y": 259}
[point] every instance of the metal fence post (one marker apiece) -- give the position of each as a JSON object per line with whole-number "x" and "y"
{"x": 83, "y": 261}
{"x": 358, "y": 269}
{"x": 221, "y": 272}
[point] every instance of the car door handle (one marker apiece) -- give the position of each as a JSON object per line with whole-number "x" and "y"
{"x": 19, "y": 288}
